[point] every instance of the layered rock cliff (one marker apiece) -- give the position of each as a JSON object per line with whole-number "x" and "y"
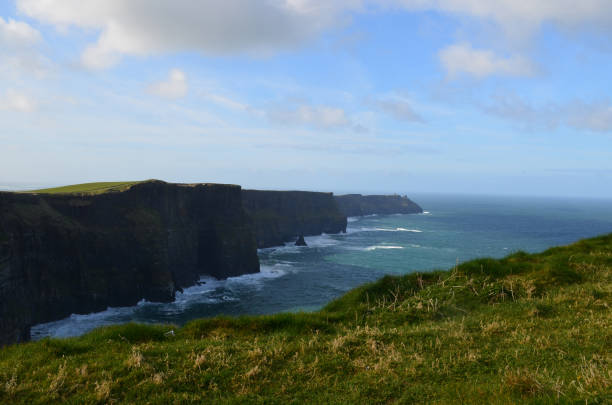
{"x": 71, "y": 253}
{"x": 281, "y": 216}
{"x": 353, "y": 205}
{"x": 63, "y": 254}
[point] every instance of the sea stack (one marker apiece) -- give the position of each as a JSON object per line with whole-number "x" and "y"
{"x": 300, "y": 241}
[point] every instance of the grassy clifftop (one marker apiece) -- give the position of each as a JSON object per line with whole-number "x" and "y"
{"x": 88, "y": 188}
{"x": 109, "y": 187}
{"x": 526, "y": 328}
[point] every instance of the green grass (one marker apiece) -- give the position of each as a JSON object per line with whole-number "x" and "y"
{"x": 88, "y": 188}
{"x": 524, "y": 329}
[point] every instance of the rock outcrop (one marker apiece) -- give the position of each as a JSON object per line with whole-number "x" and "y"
{"x": 63, "y": 254}
{"x": 353, "y": 205}
{"x": 300, "y": 241}
{"x": 280, "y": 216}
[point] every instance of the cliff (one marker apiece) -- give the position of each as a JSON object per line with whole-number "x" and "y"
{"x": 353, "y": 205}
{"x": 281, "y": 216}
{"x": 524, "y": 329}
{"x": 69, "y": 253}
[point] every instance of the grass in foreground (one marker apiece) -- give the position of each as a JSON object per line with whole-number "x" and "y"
{"x": 523, "y": 329}
{"x": 88, "y": 188}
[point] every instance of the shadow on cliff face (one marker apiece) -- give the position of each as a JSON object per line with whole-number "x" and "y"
{"x": 279, "y": 216}
{"x": 66, "y": 253}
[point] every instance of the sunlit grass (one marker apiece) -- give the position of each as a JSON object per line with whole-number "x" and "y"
{"x": 87, "y": 188}
{"x": 523, "y": 329}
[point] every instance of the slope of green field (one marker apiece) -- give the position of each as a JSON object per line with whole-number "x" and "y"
{"x": 523, "y": 329}
{"x": 88, "y": 188}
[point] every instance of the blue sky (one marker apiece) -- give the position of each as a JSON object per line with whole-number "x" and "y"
{"x": 459, "y": 96}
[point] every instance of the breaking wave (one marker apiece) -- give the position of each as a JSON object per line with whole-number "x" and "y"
{"x": 209, "y": 291}
{"x": 370, "y": 229}
{"x": 370, "y": 248}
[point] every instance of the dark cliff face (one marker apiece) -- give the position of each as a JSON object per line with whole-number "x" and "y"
{"x": 353, "y": 205}
{"x": 280, "y": 216}
{"x": 63, "y": 254}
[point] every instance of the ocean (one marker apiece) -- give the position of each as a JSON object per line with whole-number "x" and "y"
{"x": 452, "y": 229}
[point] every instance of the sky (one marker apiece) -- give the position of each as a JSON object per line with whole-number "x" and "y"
{"x": 505, "y": 97}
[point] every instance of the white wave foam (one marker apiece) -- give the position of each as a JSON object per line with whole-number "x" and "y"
{"x": 426, "y": 212}
{"x": 208, "y": 291}
{"x": 350, "y": 230}
{"x": 399, "y": 229}
{"x": 266, "y": 272}
{"x": 78, "y": 324}
{"x": 213, "y": 291}
{"x": 408, "y": 230}
{"x": 352, "y": 219}
{"x": 368, "y": 229}
{"x": 370, "y": 248}
{"x": 319, "y": 241}
{"x": 323, "y": 240}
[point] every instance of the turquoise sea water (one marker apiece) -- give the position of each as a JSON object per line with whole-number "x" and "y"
{"x": 452, "y": 229}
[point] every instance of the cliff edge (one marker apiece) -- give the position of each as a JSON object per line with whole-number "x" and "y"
{"x": 80, "y": 253}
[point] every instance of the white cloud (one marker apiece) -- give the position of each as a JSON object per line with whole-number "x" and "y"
{"x": 295, "y": 112}
{"x": 173, "y": 88}
{"x": 461, "y": 58}
{"x": 142, "y": 27}
{"x": 27, "y": 63}
{"x": 521, "y": 13}
{"x": 400, "y": 109}
{"x": 511, "y": 107}
{"x": 227, "y": 102}
{"x": 14, "y": 100}
{"x": 19, "y": 53}
{"x": 324, "y": 117}
{"x": 17, "y": 34}
{"x": 595, "y": 116}
{"x": 234, "y": 105}
{"x": 97, "y": 58}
